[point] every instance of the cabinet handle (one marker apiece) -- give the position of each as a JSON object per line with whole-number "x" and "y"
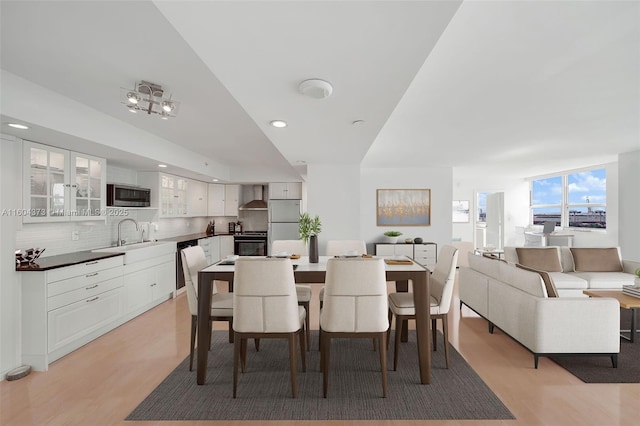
{"x": 93, "y": 299}
{"x": 91, "y": 275}
{"x": 91, "y": 263}
{"x": 89, "y": 288}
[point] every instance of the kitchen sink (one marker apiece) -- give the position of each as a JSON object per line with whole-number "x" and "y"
{"x": 141, "y": 251}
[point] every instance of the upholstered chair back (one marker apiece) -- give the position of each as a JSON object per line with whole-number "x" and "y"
{"x": 339, "y": 247}
{"x": 193, "y": 261}
{"x": 355, "y": 297}
{"x": 290, "y": 246}
{"x": 443, "y": 277}
{"x": 264, "y": 296}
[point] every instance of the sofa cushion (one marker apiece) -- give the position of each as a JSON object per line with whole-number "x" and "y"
{"x": 527, "y": 281}
{"x": 484, "y": 265}
{"x": 541, "y": 258}
{"x": 566, "y": 260}
{"x": 596, "y": 259}
{"x": 606, "y": 280}
{"x": 546, "y": 279}
{"x": 565, "y": 281}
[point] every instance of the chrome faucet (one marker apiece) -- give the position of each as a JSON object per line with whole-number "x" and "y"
{"x": 120, "y": 240}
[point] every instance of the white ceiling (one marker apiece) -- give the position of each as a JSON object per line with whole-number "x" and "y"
{"x": 523, "y": 87}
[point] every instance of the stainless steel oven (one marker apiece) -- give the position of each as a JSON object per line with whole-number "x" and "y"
{"x": 250, "y": 243}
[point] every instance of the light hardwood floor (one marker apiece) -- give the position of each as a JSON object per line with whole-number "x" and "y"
{"x": 102, "y": 382}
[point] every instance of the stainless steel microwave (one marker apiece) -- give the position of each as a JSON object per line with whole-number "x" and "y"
{"x": 127, "y": 196}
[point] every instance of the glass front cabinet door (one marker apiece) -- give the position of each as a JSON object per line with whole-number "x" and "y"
{"x": 60, "y": 185}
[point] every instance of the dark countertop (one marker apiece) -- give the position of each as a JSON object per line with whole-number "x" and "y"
{"x": 62, "y": 260}
{"x": 183, "y": 238}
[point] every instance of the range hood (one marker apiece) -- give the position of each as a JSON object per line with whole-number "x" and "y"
{"x": 257, "y": 203}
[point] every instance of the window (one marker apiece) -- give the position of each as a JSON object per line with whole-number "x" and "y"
{"x": 577, "y": 200}
{"x": 482, "y": 207}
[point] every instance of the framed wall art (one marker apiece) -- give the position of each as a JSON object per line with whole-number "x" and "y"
{"x": 403, "y": 207}
{"x": 460, "y": 211}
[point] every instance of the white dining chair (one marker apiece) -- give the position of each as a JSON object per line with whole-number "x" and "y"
{"x": 441, "y": 283}
{"x": 265, "y": 306}
{"x": 194, "y": 260}
{"x": 355, "y": 306}
{"x": 303, "y": 291}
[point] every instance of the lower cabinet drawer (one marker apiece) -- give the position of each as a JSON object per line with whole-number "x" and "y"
{"x": 73, "y": 321}
{"x": 86, "y": 292}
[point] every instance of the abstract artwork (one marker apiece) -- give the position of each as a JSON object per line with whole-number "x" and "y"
{"x": 403, "y": 207}
{"x": 460, "y": 211}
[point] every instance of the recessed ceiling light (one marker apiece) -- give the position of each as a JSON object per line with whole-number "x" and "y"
{"x": 162, "y": 165}
{"x": 18, "y": 126}
{"x": 357, "y": 122}
{"x": 215, "y": 180}
{"x": 279, "y": 123}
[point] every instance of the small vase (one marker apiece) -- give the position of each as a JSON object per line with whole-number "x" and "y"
{"x": 313, "y": 249}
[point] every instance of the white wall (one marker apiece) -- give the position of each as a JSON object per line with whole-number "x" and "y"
{"x": 333, "y": 193}
{"x": 629, "y": 203}
{"x": 10, "y": 312}
{"x": 438, "y": 179}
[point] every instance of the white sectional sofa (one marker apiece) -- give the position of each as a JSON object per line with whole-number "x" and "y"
{"x": 516, "y": 301}
{"x": 577, "y": 268}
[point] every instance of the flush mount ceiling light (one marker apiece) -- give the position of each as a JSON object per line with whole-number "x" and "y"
{"x": 162, "y": 165}
{"x": 278, "y": 123}
{"x": 149, "y": 97}
{"x": 18, "y": 126}
{"x": 316, "y": 88}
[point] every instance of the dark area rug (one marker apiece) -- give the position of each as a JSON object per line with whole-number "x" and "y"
{"x": 355, "y": 387}
{"x": 599, "y": 369}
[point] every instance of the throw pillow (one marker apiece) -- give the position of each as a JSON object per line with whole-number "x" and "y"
{"x": 596, "y": 259}
{"x": 540, "y": 258}
{"x": 552, "y": 291}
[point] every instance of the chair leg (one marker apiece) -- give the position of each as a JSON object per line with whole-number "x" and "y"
{"x": 320, "y": 340}
{"x": 194, "y": 327}
{"x": 325, "y": 355}
{"x": 243, "y": 355}
{"x": 307, "y": 325}
{"x": 231, "y": 330}
{"x": 303, "y": 350}
{"x": 256, "y": 343}
{"x": 292, "y": 364}
{"x": 383, "y": 363}
{"x": 375, "y": 344}
{"x": 236, "y": 358}
{"x": 396, "y": 343}
{"x": 445, "y": 333}
{"x": 389, "y": 329}
{"x": 434, "y": 334}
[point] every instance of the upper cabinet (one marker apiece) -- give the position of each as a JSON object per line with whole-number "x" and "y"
{"x": 197, "y": 198}
{"x": 215, "y": 200}
{"x": 285, "y": 191}
{"x": 231, "y": 195}
{"x": 61, "y": 185}
{"x": 168, "y": 193}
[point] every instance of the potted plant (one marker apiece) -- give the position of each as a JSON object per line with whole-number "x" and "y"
{"x": 637, "y": 279}
{"x": 392, "y": 236}
{"x": 309, "y": 230}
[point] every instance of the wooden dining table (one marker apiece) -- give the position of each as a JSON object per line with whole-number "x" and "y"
{"x": 306, "y": 272}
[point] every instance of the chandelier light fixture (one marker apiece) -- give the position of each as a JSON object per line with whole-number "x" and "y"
{"x": 149, "y": 98}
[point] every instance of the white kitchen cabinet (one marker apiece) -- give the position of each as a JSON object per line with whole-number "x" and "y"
{"x": 205, "y": 243}
{"x": 231, "y": 195}
{"x": 61, "y": 185}
{"x": 67, "y": 307}
{"x": 148, "y": 283}
{"x": 214, "y": 249}
{"x": 215, "y": 200}
{"x": 226, "y": 245}
{"x": 285, "y": 191}
{"x": 197, "y": 198}
{"x": 168, "y": 193}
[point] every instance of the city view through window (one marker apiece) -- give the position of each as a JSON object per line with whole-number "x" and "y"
{"x": 576, "y": 200}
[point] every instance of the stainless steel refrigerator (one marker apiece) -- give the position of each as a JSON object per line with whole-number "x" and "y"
{"x": 283, "y": 220}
